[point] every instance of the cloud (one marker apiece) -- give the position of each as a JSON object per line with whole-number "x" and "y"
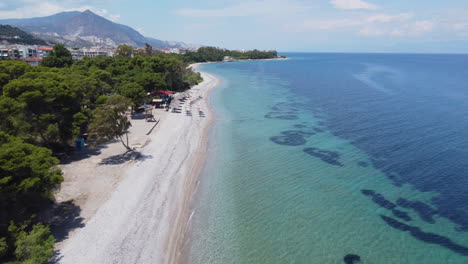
{"x": 460, "y": 26}
{"x": 371, "y": 31}
{"x": 397, "y": 25}
{"x": 328, "y": 24}
{"x": 412, "y": 29}
{"x": 384, "y": 18}
{"x": 106, "y": 14}
{"x": 33, "y": 8}
{"x": 246, "y": 9}
{"x": 353, "y": 4}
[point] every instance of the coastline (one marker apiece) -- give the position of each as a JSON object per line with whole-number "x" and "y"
{"x": 142, "y": 216}
{"x": 176, "y": 240}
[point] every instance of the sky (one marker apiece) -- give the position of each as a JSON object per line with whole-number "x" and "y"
{"x": 413, "y": 26}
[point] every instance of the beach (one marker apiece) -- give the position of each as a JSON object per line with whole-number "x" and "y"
{"x": 135, "y": 210}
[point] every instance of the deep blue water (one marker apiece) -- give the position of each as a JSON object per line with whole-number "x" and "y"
{"x": 326, "y": 155}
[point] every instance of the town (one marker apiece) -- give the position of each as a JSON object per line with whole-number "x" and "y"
{"x": 33, "y": 54}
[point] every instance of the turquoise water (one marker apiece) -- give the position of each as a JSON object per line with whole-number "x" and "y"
{"x": 327, "y": 155}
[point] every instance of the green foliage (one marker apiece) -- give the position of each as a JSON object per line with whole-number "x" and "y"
{"x": 28, "y": 174}
{"x": 148, "y": 49}
{"x": 3, "y": 247}
{"x": 125, "y": 51}
{"x": 110, "y": 121}
{"x": 10, "y": 70}
{"x": 207, "y": 54}
{"x": 193, "y": 78}
{"x": 25, "y": 170}
{"x": 60, "y": 57}
{"x": 134, "y": 92}
{"x": 34, "y": 247}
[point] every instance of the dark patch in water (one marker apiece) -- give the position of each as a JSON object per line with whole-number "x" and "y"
{"x": 425, "y": 212}
{"x": 281, "y": 107}
{"x": 318, "y": 130}
{"x": 321, "y": 123}
{"x": 363, "y": 164}
{"x": 282, "y": 116}
{"x": 291, "y": 138}
{"x": 300, "y": 126}
{"x": 379, "y": 199}
{"x": 297, "y": 132}
{"x": 401, "y": 215}
{"x": 430, "y": 238}
{"x": 352, "y": 259}
{"x": 330, "y": 157}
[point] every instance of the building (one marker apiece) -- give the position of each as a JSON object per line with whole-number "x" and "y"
{"x": 79, "y": 54}
{"x": 43, "y": 52}
{"x": 34, "y": 61}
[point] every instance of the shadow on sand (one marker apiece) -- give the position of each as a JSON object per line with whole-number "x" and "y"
{"x": 65, "y": 218}
{"x": 75, "y": 155}
{"x": 122, "y": 158}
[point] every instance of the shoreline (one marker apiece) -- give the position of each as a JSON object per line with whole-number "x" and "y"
{"x": 177, "y": 241}
{"x": 144, "y": 216}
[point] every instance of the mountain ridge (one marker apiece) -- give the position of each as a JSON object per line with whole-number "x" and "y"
{"x": 87, "y": 29}
{"x": 10, "y": 35}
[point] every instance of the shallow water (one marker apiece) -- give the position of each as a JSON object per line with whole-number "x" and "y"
{"x": 326, "y": 155}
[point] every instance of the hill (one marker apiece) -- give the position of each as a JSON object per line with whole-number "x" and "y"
{"x": 86, "y": 29}
{"x": 10, "y": 35}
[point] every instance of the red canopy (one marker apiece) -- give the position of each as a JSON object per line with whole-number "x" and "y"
{"x": 161, "y": 92}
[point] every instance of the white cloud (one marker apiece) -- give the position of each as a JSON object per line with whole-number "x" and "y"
{"x": 398, "y": 25}
{"x": 371, "y": 31}
{"x": 359, "y": 21}
{"x": 328, "y": 24}
{"x": 415, "y": 29}
{"x": 412, "y": 29}
{"x": 353, "y": 4}
{"x": 460, "y": 26}
{"x": 33, "y": 8}
{"x": 106, "y": 14}
{"x": 384, "y": 18}
{"x": 245, "y": 9}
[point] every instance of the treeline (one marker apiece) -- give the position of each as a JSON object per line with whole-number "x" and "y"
{"x": 18, "y": 36}
{"x": 210, "y": 54}
{"x": 42, "y": 110}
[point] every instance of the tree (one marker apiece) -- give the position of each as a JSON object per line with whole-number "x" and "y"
{"x": 36, "y": 246}
{"x": 134, "y": 92}
{"x": 49, "y": 103}
{"x": 59, "y": 57}
{"x": 110, "y": 121}
{"x": 28, "y": 175}
{"x": 26, "y": 171}
{"x": 125, "y": 51}
{"x": 148, "y": 49}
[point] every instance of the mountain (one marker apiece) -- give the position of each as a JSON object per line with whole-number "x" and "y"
{"x": 86, "y": 29}
{"x": 14, "y": 35}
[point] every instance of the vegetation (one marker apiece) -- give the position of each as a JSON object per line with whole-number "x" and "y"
{"x": 18, "y": 36}
{"x": 44, "y": 108}
{"x": 207, "y": 54}
{"x": 125, "y": 51}
{"x": 59, "y": 57}
{"x": 110, "y": 121}
{"x": 27, "y": 177}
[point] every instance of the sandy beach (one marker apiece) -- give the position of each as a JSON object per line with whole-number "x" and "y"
{"x": 135, "y": 210}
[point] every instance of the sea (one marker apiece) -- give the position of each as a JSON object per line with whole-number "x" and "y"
{"x": 336, "y": 158}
